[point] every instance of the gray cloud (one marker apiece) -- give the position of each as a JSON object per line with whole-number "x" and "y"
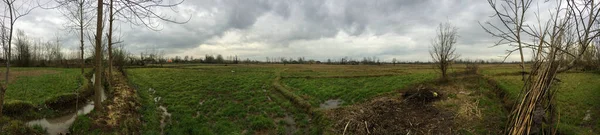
{"x": 319, "y": 28}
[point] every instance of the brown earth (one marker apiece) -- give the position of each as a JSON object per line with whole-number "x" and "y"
{"x": 394, "y": 115}
{"x": 438, "y": 108}
{"x": 13, "y": 75}
{"x": 120, "y": 114}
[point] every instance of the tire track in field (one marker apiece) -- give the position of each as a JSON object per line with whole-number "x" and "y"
{"x": 318, "y": 119}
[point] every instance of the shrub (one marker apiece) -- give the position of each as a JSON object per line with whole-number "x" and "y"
{"x": 61, "y": 100}
{"x": 17, "y": 106}
{"x": 16, "y": 127}
{"x": 472, "y": 68}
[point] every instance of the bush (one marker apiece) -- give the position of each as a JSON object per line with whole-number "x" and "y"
{"x": 16, "y": 127}
{"x": 472, "y": 68}
{"x": 13, "y": 107}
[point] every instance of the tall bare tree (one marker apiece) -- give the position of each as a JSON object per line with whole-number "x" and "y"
{"x": 13, "y": 10}
{"x": 512, "y": 15}
{"x": 136, "y": 12}
{"x": 442, "y": 47}
{"x": 98, "y": 58}
{"x": 567, "y": 27}
{"x": 111, "y": 18}
{"x": 78, "y": 14}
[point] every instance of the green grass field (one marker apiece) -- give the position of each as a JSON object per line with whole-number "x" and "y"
{"x": 216, "y": 100}
{"x": 36, "y": 85}
{"x": 353, "y": 89}
{"x": 242, "y": 99}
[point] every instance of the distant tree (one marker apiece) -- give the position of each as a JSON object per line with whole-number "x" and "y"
{"x": 55, "y": 51}
{"x": 442, "y": 47}
{"x": 22, "y": 46}
{"x": 284, "y": 61}
{"x": 220, "y": 59}
{"x": 301, "y": 60}
{"x": 235, "y": 60}
{"x": 161, "y": 58}
{"x": 268, "y": 60}
{"x": 177, "y": 59}
{"x": 209, "y": 59}
{"x": 394, "y": 61}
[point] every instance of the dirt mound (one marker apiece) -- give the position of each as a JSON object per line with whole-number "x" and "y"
{"x": 421, "y": 95}
{"x": 392, "y": 116}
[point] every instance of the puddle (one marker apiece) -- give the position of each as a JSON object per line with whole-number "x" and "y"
{"x": 60, "y": 125}
{"x": 331, "y": 104}
{"x": 165, "y": 118}
{"x": 291, "y": 124}
{"x": 588, "y": 115}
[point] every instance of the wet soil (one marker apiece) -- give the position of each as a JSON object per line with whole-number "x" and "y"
{"x": 164, "y": 118}
{"x": 331, "y": 104}
{"x": 413, "y": 114}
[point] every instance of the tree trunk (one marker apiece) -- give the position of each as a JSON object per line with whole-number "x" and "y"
{"x": 444, "y": 69}
{"x": 110, "y": 31}
{"x": 2, "y": 92}
{"x": 98, "y": 60}
{"x": 81, "y": 36}
{"x": 3, "y": 89}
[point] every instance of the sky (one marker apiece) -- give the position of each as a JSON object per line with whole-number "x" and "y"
{"x": 314, "y": 29}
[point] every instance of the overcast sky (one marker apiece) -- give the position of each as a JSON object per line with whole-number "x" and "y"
{"x": 314, "y": 29}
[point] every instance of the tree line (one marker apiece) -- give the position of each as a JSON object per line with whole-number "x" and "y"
{"x": 88, "y": 19}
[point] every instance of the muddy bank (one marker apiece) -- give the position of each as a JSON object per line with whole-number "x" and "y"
{"x": 62, "y": 123}
{"x": 120, "y": 113}
{"x": 58, "y": 125}
{"x": 55, "y": 106}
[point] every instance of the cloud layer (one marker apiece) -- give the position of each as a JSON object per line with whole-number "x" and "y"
{"x": 315, "y": 29}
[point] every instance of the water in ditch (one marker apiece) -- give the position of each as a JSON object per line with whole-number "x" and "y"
{"x": 61, "y": 124}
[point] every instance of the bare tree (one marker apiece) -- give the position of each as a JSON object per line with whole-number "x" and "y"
{"x": 558, "y": 44}
{"x": 442, "y": 47}
{"x": 12, "y": 11}
{"x": 111, "y": 18}
{"x": 136, "y": 12}
{"x": 78, "y": 14}
{"x": 512, "y": 15}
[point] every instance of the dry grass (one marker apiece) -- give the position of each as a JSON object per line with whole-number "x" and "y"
{"x": 14, "y": 74}
{"x": 467, "y": 96}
